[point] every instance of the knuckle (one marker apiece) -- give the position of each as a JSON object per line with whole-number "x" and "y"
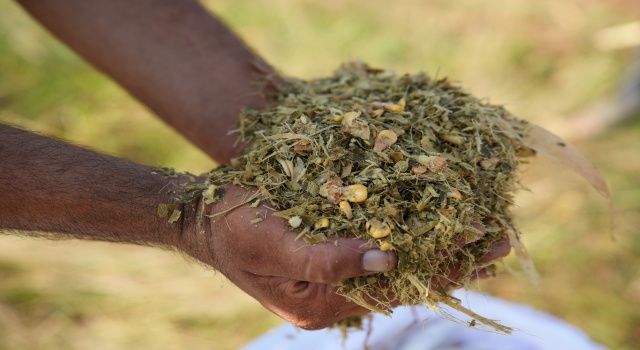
{"x": 321, "y": 265}
{"x": 296, "y": 290}
{"x": 295, "y": 297}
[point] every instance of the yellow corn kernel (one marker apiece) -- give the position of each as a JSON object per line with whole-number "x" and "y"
{"x": 455, "y": 194}
{"x": 377, "y": 112}
{"x": 345, "y": 208}
{"x": 321, "y": 223}
{"x": 394, "y": 108}
{"x": 356, "y": 193}
{"x": 378, "y": 229}
{"x": 384, "y": 246}
{"x": 349, "y": 117}
{"x": 385, "y": 139}
{"x": 419, "y": 169}
{"x": 453, "y": 139}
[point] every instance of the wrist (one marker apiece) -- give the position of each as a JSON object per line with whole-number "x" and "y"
{"x": 190, "y": 232}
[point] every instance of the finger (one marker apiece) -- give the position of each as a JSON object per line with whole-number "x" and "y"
{"x": 499, "y": 250}
{"x": 489, "y": 271}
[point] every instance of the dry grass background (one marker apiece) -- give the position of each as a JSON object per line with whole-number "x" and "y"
{"x": 537, "y": 57}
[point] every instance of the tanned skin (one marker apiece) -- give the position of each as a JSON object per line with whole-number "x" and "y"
{"x": 173, "y": 56}
{"x": 49, "y": 186}
{"x": 195, "y": 74}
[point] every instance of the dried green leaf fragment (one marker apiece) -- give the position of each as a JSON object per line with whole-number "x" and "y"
{"x": 175, "y": 216}
{"x": 163, "y": 209}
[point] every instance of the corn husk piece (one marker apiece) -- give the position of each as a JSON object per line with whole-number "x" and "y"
{"x": 553, "y": 147}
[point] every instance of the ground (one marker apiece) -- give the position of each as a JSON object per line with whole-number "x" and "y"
{"x": 536, "y": 57}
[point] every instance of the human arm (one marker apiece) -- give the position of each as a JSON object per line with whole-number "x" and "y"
{"x": 173, "y": 56}
{"x": 55, "y": 189}
{"x": 47, "y": 186}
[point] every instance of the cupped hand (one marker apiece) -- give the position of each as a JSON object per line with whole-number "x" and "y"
{"x": 297, "y": 281}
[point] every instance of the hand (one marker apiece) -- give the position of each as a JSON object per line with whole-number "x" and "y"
{"x": 452, "y": 281}
{"x": 291, "y": 278}
{"x": 295, "y": 280}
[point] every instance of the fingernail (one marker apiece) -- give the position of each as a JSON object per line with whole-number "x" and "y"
{"x": 377, "y": 261}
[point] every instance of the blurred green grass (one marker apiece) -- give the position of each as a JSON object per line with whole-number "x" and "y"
{"x": 535, "y": 57}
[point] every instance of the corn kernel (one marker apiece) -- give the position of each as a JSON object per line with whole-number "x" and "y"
{"x": 378, "y": 229}
{"x": 455, "y": 194}
{"x": 394, "y": 108}
{"x": 321, "y": 223}
{"x": 384, "y": 246}
{"x": 419, "y": 169}
{"x": 349, "y": 117}
{"x": 345, "y": 208}
{"x": 385, "y": 139}
{"x": 356, "y": 193}
{"x": 453, "y": 139}
{"x": 377, "y": 112}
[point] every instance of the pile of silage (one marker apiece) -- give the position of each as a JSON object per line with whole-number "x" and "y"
{"x": 411, "y": 163}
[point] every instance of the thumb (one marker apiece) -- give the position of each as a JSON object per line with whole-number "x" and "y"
{"x": 336, "y": 260}
{"x": 328, "y": 262}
